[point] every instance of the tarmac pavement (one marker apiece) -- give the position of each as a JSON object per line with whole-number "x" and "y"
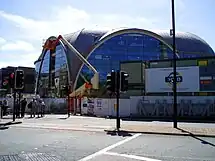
{"x": 83, "y": 123}
{"x": 35, "y": 144}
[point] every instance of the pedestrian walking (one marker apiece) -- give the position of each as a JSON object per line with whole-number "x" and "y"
{"x": 38, "y": 105}
{"x": 17, "y": 107}
{"x": 1, "y": 111}
{"x": 5, "y": 107}
{"x": 30, "y": 107}
{"x": 43, "y": 106}
{"x": 34, "y": 107}
{"x": 23, "y": 106}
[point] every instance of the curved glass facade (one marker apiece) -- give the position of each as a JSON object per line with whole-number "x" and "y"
{"x": 43, "y": 84}
{"x": 125, "y": 47}
{"x": 37, "y": 68}
{"x": 60, "y": 71}
{"x": 53, "y": 74}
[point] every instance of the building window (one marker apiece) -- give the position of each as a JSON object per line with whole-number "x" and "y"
{"x": 125, "y": 47}
{"x": 54, "y": 74}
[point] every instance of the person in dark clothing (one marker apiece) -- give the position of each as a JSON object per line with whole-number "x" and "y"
{"x": 1, "y": 104}
{"x": 23, "y": 106}
{"x": 30, "y": 106}
{"x": 43, "y": 106}
{"x": 5, "y": 107}
{"x": 17, "y": 106}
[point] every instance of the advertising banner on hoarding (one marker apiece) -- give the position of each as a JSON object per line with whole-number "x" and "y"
{"x": 159, "y": 80}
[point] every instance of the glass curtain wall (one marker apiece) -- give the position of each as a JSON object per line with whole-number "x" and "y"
{"x": 125, "y": 47}
{"x": 54, "y": 74}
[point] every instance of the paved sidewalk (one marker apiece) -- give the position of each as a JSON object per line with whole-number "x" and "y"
{"x": 83, "y": 123}
{"x": 59, "y": 122}
{"x": 168, "y": 130}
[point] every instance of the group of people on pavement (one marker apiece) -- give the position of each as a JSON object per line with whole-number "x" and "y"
{"x": 20, "y": 108}
{"x": 36, "y": 107}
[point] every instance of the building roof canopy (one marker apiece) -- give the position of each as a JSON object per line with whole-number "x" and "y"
{"x": 186, "y": 42}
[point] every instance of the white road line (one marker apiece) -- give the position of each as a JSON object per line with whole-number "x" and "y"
{"x": 62, "y": 128}
{"x": 67, "y": 126}
{"x": 130, "y": 156}
{"x": 109, "y": 148}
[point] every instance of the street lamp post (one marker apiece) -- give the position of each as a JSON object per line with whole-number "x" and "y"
{"x": 174, "y": 68}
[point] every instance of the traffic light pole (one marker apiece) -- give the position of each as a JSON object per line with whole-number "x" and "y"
{"x": 68, "y": 106}
{"x": 117, "y": 100}
{"x": 113, "y": 86}
{"x": 68, "y": 101}
{"x": 174, "y": 68}
{"x": 19, "y": 93}
{"x": 14, "y": 105}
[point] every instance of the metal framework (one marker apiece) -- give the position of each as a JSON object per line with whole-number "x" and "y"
{"x": 95, "y": 78}
{"x": 117, "y": 32}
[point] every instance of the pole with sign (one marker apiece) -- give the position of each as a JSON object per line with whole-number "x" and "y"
{"x": 174, "y": 68}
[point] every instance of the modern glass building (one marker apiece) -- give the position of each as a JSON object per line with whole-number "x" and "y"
{"x": 105, "y": 50}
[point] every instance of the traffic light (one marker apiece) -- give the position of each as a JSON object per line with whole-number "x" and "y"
{"x": 11, "y": 80}
{"x": 19, "y": 79}
{"x": 111, "y": 82}
{"x": 123, "y": 81}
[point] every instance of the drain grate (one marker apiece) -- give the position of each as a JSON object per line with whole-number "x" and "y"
{"x": 39, "y": 157}
{"x": 10, "y": 158}
{"x": 30, "y": 157}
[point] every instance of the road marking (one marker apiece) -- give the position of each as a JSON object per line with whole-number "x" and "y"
{"x": 61, "y": 128}
{"x": 131, "y": 156}
{"x": 109, "y": 148}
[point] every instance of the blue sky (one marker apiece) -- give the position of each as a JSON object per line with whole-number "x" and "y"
{"x": 25, "y": 23}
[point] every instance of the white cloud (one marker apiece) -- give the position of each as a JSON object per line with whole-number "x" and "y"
{"x": 18, "y": 45}
{"x": 68, "y": 19}
{"x": 2, "y": 40}
{"x": 63, "y": 20}
{"x": 19, "y": 59}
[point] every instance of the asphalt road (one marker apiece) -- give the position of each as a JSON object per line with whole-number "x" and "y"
{"x": 59, "y": 145}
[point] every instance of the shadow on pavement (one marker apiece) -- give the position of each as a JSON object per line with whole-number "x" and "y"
{"x": 182, "y": 120}
{"x": 29, "y": 117}
{"x": 9, "y": 123}
{"x": 197, "y": 138}
{"x": 118, "y": 133}
{"x": 63, "y": 118}
{"x": 4, "y": 127}
{"x": 7, "y": 118}
{"x": 38, "y": 117}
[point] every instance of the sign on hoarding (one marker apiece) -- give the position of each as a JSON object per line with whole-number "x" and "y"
{"x": 159, "y": 80}
{"x": 207, "y": 78}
